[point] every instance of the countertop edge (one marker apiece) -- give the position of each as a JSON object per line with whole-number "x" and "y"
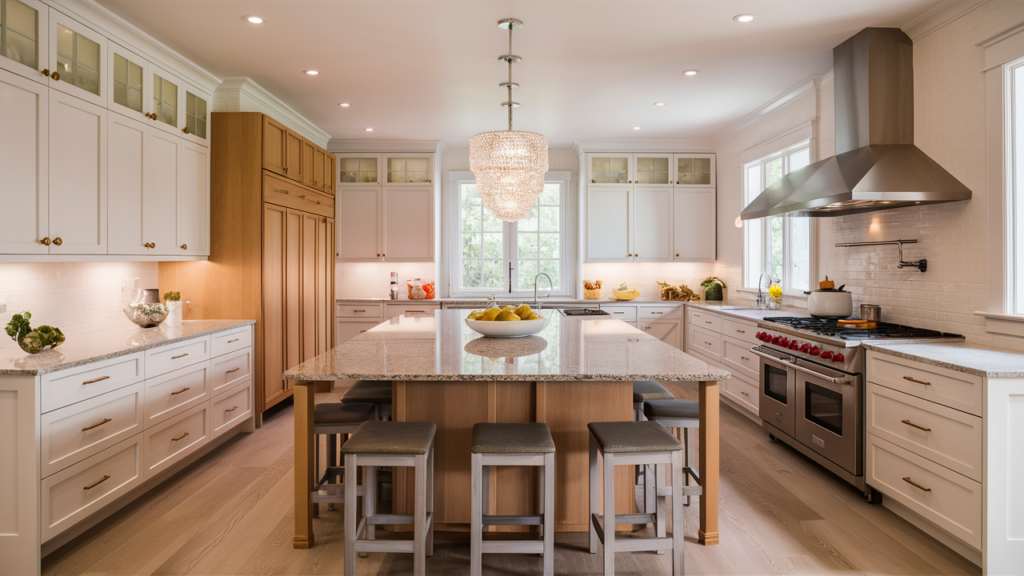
{"x": 892, "y": 350}
{"x": 708, "y": 377}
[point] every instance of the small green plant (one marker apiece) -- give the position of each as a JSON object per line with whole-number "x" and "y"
{"x": 33, "y": 341}
{"x": 19, "y": 326}
{"x": 713, "y": 288}
{"x": 172, "y": 296}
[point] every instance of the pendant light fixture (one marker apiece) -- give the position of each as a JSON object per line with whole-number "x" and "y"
{"x": 509, "y": 165}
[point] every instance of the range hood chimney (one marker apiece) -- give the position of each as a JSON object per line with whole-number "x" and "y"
{"x": 876, "y": 166}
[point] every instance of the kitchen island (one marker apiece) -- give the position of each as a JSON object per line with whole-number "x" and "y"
{"x": 576, "y": 371}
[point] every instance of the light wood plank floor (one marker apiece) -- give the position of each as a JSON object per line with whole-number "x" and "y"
{"x": 231, "y": 513}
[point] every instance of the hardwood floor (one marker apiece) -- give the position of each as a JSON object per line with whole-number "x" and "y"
{"x": 231, "y": 513}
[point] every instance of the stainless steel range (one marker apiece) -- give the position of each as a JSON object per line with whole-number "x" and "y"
{"x": 812, "y": 387}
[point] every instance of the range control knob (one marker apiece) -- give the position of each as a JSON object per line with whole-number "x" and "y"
{"x": 794, "y": 345}
{"x": 777, "y": 340}
{"x": 815, "y": 351}
{"x": 827, "y": 354}
{"x": 838, "y": 357}
{"x": 785, "y": 343}
{"x": 806, "y": 348}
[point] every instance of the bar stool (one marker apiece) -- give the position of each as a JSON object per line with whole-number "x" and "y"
{"x": 527, "y": 444}
{"x": 683, "y": 414}
{"x": 335, "y": 419}
{"x": 632, "y": 444}
{"x": 374, "y": 391}
{"x": 376, "y": 443}
{"x": 647, "y": 390}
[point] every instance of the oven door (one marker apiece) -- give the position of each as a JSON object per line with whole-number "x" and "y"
{"x": 777, "y": 404}
{"x": 828, "y": 414}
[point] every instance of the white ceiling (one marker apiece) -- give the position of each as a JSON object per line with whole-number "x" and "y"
{"x": 428, "y": 70}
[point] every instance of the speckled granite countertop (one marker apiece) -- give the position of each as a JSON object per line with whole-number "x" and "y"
{"x": 959, "y": 356}
{"x": 544, "y": 302}
{"x": 443, "y": 348}
{"x": 747, "y": 311}
{"x": 96, "y": 346}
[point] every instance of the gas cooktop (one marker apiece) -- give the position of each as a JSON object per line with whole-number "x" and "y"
{"x": 829, "y": 328}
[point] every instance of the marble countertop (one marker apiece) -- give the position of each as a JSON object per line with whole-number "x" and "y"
{"x": 442, "y": 348}
{"x": 544, "y": 302}
{"x": 93, "y": 347}
{"x": 960, "y": 356}
{"x": 747, "y": 311}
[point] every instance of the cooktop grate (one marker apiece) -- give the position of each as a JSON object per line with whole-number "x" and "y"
{"x": 883, "y": 330}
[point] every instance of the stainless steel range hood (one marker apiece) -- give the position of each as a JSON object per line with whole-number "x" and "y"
{"x": 876, "y": 166}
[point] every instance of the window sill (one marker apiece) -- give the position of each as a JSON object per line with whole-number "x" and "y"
{"x": 1006, "y": 324}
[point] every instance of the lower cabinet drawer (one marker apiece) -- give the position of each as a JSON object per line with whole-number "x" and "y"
{"x": 396, "y": 310}
{"x": 947, "y": 387}
{"x": 737, "y": 357}
{"x": 230, "y": 408}
{"x": 175, "y": 439}
{"x": 358, "y": 311}
{"x": 658, "y": 313}
{"x": 176, "y": 392}
{"x": 624, "y": 313}
{"x": 742, "y": 392}
{"x": 740, "y": 330}
{"x": 226, "y": 342}
{"x": 228, "y": 370}
{"x": 82, "y": 382}
{"x": 949, "y": 500}
{"x": 178, "y": 355}
{"x": 707, "y": 343}
{"x": 75, "y": 432}
{"x": 704, "y": 319}
{"x": 77, "y": 491}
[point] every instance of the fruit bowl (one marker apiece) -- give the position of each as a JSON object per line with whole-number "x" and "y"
{"x": 509, "y": 329}
{"x": 627, "y": 295}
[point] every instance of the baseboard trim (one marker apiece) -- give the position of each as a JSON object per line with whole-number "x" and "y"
{"x": 926, "y": 526}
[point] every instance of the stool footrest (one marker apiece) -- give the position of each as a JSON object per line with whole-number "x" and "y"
{"x": 390, "y": 519}
{"x": 511, "y": 520}
{"x": 512, "y": 546}
{"x": 598, "y": 520}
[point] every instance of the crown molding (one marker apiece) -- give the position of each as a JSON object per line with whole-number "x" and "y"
{"x": 660, "y": 146}
{"x": 940, "y": 15}
{"x": 245, "y": 95}
{"x": 338, "y": 145}
{"x": 805, "y": 86}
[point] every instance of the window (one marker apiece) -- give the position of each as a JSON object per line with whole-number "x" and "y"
{"x": 1014, "y": 118}
{"x": 494, "y": 257}
{"x": 778, "y": 245}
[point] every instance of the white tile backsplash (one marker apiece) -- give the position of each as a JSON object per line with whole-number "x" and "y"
{"x": 355, "y": 280}
{"x": 646, "y": 275}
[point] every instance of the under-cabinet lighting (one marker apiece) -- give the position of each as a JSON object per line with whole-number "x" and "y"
{"x": 690, "y": 72}
{"x": 254, "y": 19}
{"x": 744, "y": 17}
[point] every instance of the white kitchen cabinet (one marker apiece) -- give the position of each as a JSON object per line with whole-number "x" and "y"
{"x": 25, "y": 26}
{"x": 359, "y": 224}
{"x": 653, "y": 169}
{"x": 347, "y": 330}
{"x": 608, "y": 224}
{"x": 127, "y": 148}
{"x": 408, "y": 168}
{"x": 695, "y": 170}
{"x": 197, "y": 116}
{"x": 651, "y": 224}
{"x": 609, "y": 169}
{"x": 358, "y": 170}
{"x": 694, "y": 226}
{"x": 168, "y": 100}
{"x": 130, "y": 90}
{"x": 668, "y": 332}
{"x": 24, "y": 165}
{"x": 194, "y": 201}
{"x": 162, "y": 195}
{"x": 77, "y": 59}
{"x": 408, "y": 224}
{"x": 78, "y": 176}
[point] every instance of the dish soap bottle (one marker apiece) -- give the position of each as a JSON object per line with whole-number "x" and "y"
{"x": 394, "y": 285}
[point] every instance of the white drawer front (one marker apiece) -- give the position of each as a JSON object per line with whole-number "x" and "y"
{"x": 950, "y": 500}
{"x": 230, "y": 408}
{"x": 82, "y": 382}
{"x": 230, "y": 369}
{"x": 737, "y": 357}
{"x": 942, "y": 435}
{"x": 659, "y": 312}
{"x": 358, "y": 311}
{"x": 77, "y": 491}
{"x": 742, "y": 392}
{"x": 946, "y": 387}
{"x": 176, "y": 392}
{"x": 706, "y": 320}
{"x": 395, "y": 310}
{"x": 76, "y": 432}
{"x": 707, "y": 343}
{"x": 746, "y": 332}
{"x": 172, "y": 357}
{"x": 624, "y": 313}
{"x": 175, "y": 439}
{"x": 234, "y": 340}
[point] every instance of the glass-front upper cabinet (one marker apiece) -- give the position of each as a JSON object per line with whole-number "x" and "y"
{"x": 653, "y": 169}
{"x": 197, "y": 104}
{"x": 23, "y": 38}
{"x": 358, "y": 169}
{"x": 610, "y": 169}
{"x": 129, "y": 91}
{"x": 167, "y": 98}
{"x": 408, "y": 168}
{"x": 695, "y": 169}
{"x": 77, "y": 59}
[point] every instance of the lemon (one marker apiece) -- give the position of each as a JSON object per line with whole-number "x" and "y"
{"x": 490, "y": 314}
{"x": 531, "y": 316}
{"x": 475, "y": 315}
{"x": 523, "y": 311}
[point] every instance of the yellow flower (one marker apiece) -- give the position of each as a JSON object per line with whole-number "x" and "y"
{"x": 775, "y": 291}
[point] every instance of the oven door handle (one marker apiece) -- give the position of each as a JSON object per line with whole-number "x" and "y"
{"x": 787, "y": 361}
{"x": 782, "y": 360}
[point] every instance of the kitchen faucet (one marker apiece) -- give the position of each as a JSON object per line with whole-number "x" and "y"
{"x": 550, "y": 283}
{"x": 761, "y": 300}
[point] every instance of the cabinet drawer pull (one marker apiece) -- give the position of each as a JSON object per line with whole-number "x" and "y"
{"x": 707, "y": 321}
{"x": 647, "y": 327}
{"x": 97, "y": 483}
{"x": 233, "y": 341}
{"x": 179, "y": 437}
{"x": 362, "y": 331}
{"x": 100, "y": 423}
{"x": 915, "y": 381}
{"x": 95, "y": 380}
{"x": 915, "y": 484}
{"x": 232, "y": 370}
{"x": 744, "y": 393}
{"x": 57, "y": 240}
{"x": 357, "y": 311}
{"x": 744, "y": 358}
{"x": 708, "y": 343}
{"x": 181, "y": 356}
{"x": 741, "y": 331}
{"x": 909, "y": 423}
{"x": 232, "y": 409}
{"x": 186, "y": 389}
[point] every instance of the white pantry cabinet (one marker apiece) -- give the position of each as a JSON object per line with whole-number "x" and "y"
{"x": 359, "y": 224}
{"x": 128, "y": 147}
{"x": 78, "y": 176}
{"x": 161, "y": 196}
{"x": 25, "y": 25}
{"x": 652, "y": 224}
{"x": 608, "y": 224}
{"x": 194, "y": 201}
{"x": 24, "y": 164}
{"x": 408, "y": 224}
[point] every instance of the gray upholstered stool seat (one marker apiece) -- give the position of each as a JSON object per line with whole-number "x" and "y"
{"x": 627, "y": 437}
{"x": 650, "y": 390}
{"x": 375, "y": 437}
{"x": 525, "y": 438}
{"x": 672, "y": 409}
{"x": 376, "y": 391}
{"x": 335, "y": 420}
{"x": 327, "y": 413}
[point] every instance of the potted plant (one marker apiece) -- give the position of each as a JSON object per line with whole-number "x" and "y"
{"x": 174, "y": 313}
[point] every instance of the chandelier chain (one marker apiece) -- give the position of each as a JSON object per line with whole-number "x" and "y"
{"x": 510, "y": 78}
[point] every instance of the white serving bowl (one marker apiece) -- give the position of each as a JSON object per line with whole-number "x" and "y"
{"x": 508, "y": 329}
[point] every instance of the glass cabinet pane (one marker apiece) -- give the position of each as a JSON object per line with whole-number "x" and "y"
{"x": 695, "y": 171}
{"x": 19, "y": 32}
{"x": 165, "y": 100}
{"x": 195, "y": 114}
{"x": 609, "y": 170}
{"x": 358, "y": 170}
{"x": 127, "y": 83}
{"x": 408, "y": 170}
{"x": 652, "y": 170}
{"x": 78, "y": 60}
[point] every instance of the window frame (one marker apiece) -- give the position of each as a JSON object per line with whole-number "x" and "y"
{"x": 567, "y": 230}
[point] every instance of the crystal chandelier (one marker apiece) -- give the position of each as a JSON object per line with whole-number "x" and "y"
{"x": 509, "y": 165}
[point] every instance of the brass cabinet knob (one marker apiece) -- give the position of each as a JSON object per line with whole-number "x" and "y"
{"x": 285, "y": 169}
{"x": 58, "y": 241}
{"x": 184, "y": 246}
{"x": 384, "y": 255}
{"x": 45, "y": 241}
{"x": 185, "y": 129}
{"x": 677, "y": 255}
{"x": 378, "y": 255}
{"x": 55, "y": 75}
{"x": 45, "y": 72}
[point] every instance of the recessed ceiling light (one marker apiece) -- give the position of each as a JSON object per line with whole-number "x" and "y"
{"x": 636, "y": 127}
{"x": 744, "y": 17}
{"x": 312, "y": 72}
{"x": 368, "y": 129}
{"x": 690, "y": 72}
{"x": 254, "y": 19}
{"x": 659, "y": 103}
{"x": 344, "y": 104}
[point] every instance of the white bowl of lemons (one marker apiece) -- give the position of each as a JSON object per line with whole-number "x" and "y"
{"x": 506, "y": 322}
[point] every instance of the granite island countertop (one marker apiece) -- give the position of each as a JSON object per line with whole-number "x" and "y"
{"x": 442, "y": 348}
{"x": 960, "y": 356}
{"x": 82, "y": 349}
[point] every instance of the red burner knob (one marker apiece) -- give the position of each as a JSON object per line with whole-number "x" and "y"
{"x": 806, "y": 348}
{"x": 826, "y": 354}
{"x": 777, "y": 340}
{"x": 794, "y": 345}
{"x": 785, "y": 342}
{"x": 815, "y": 351}
{"x": 838, "y": 357}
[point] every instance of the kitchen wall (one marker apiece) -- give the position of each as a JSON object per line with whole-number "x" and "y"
{"x": 78, "y": 298}
{"x": 646, "y": 275}
{"x": 354, "y": 280}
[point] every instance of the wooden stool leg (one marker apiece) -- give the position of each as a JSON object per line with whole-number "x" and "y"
{"x": 419, "y": 558}
{"x": 316, "y": 470}
{"x": 369, "y": 499}
{"x": 677, "y": 514}
{"x": 609, "y": 514}
{"x": 430, "y": 499}
{"x": 476, "y": 516}
{"x": 350, "y": 514}
{"x": 332, "y": 459}
{"x": 594, "y": 495}
{"x": 660, "y": 520}
{"x": 548, "y": 525}
{"x": 650, "y": 491}
{"x": 485, "y": 504}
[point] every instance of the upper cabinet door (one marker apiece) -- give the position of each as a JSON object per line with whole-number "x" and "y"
{"x": 358, "y": 169}
{"x": 274, "y": 135}
{"x": 194, "y": 201}
{"x": 127, "y": 151}
{"x": 408, "y": 168}
{"x": 78, "y": 176}
{"x": 653, "y": 169}
{"x": 408, "y": 224}
{"x": 652, "y": 224}
{"x": 293, "y": 155}
{"x": 610, "y": 169}
{"x": 24, "y": 26}
{"x": 168, "y": 101}
{"x": 608, "y": 217}
{"x": 307, "y": 163}
{"x": 318, "y": 168}
{"x": 330, "y": 173}
{"x": 197, "y": 116}
{"x": 163, "y": 193}
{"x": 24, "y": 157}
{"x": 78, "y": 59}
{"x": 130, "y": 93}
{"x": 694, "y": 234}
{"x": 358, "y": 222}
{"x": 695, "y": 169}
